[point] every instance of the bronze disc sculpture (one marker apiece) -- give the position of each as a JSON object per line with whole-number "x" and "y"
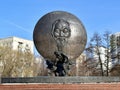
{"x": 59, "y": 32}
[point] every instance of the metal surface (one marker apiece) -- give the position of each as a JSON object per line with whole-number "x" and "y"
{"x": 59, "y": 31}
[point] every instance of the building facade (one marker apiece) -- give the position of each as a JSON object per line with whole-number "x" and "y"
{"x": 18, "y": 44}
{"x": 115, "y": 48}
{"x": 103, "y": 56}
{"x": 21, "y": 63}
{"x": 79, "y": 64}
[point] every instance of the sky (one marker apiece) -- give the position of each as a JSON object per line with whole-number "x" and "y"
{"x": 19, "y": 17}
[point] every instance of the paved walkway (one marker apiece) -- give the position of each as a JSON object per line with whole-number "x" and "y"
{"x": 89, "y": 86}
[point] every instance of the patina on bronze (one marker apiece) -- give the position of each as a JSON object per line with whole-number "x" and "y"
{"x": 60, "y": 32}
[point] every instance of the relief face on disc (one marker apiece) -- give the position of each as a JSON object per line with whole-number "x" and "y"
{"x": 59, "y": 31}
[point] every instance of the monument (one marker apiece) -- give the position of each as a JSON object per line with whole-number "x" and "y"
{"x": 60, "y": 38}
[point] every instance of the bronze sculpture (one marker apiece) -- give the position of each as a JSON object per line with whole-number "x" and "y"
{"x": 60, "y": 32}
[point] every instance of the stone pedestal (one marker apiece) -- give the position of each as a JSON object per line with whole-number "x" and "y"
{"x": 62, "y": 80}
{"x": 61, "y": 83}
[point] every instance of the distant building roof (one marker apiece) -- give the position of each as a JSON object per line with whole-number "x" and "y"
{"x": 14, "y": 37}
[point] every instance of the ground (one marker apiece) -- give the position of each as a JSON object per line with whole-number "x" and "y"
{"x": 88, "y": 86}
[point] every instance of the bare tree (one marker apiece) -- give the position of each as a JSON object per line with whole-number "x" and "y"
{"x": 111, "y": 52}
{"x": 16, "y": 64}
{"x": 115, "y": 71}
{"x": 40, "y": 67}
{"x": 106, "y": 38}
{"x": 7, "y": 57}
{"x": 87, "y": 67}
{"x": 96, "y": 42}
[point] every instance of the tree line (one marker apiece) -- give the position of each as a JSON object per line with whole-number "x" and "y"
{"x": 100, "y": 60}
{"x": 17, "y": 63}
{"x": 101, "y": 56}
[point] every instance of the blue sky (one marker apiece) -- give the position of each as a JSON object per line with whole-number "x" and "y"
{"x": 18, "y": 17}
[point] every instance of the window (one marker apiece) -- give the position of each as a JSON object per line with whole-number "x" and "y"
{"x": 27, "y": 48}
{"x": 20, "y": 46}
